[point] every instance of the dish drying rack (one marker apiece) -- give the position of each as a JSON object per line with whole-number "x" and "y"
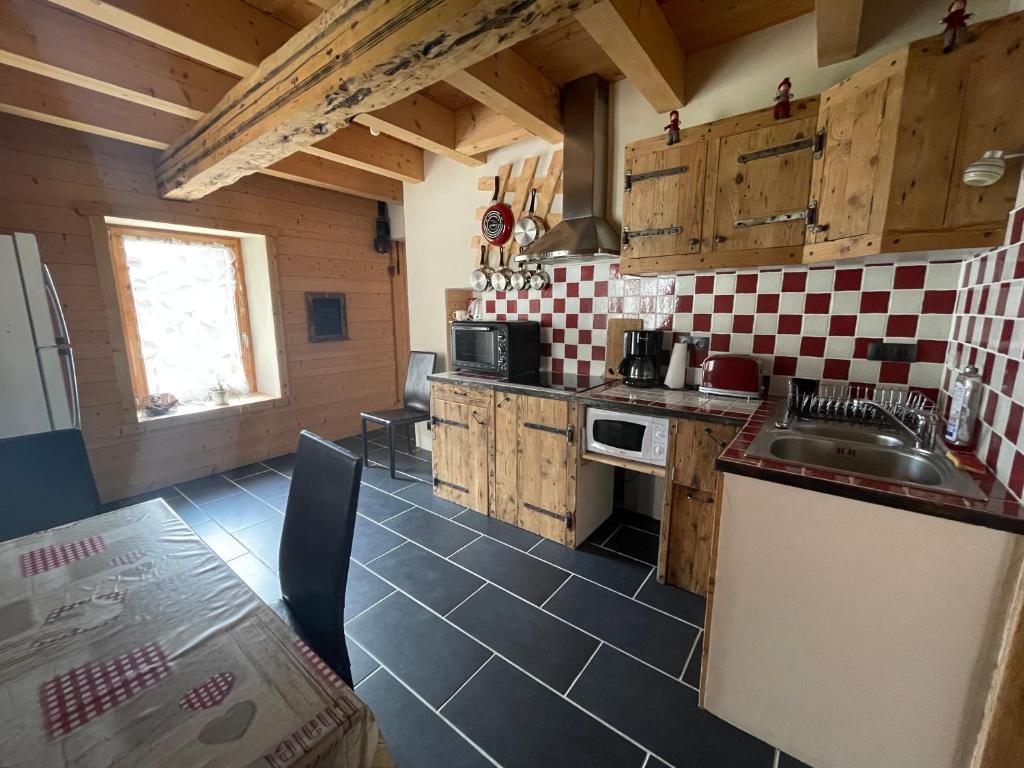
{"x": 911, "y": 413}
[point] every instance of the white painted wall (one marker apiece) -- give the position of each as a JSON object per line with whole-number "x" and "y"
{"x": 852, "y": 635}
{"x": 735, "y": 77}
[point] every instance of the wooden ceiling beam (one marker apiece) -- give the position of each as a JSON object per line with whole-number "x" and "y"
{"x": 39, "y": 98}
{"x": 422, "y": 122}
{"x": 838, "y": 23}
{"x": 355, "y": 58}
{"x": 638, "y": 38}
{"x": 39, "y": 38}
{"x": 479, "y": 129}
{"x": 229, "y": 35}
{"x": 513, "y": 87}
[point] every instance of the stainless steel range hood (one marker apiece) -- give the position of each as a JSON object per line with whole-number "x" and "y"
{"x": 583, "y": 234}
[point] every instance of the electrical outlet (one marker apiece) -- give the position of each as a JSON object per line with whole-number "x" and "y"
{"x": 891, "y": 352}
{"x": 700, "y": 343}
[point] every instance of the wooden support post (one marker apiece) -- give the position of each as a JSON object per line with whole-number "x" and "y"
{"x": 838, "y": 23}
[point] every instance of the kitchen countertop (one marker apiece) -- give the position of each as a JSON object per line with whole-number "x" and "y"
{"x": 999, "y": 510}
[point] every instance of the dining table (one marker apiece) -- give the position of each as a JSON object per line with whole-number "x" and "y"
{"x": 125, "y": 641}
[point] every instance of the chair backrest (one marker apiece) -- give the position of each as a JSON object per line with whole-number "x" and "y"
{"x": 45, "y": 481}
{"x": 417, "y": 387}
{"x": 316, "y": 542}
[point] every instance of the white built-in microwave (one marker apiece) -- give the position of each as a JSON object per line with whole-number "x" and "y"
{"x": 627, "y": 435}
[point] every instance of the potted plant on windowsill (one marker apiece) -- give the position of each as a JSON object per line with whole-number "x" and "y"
{"x": 219, "y": 393}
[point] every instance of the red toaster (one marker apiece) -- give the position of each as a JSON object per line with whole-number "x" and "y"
{"x": 732, "y": 376}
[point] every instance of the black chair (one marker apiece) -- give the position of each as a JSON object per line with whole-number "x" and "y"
{"x": 316, "y": 542}
{"x": 45, "y": 481}
{"x": 416, "y": 405}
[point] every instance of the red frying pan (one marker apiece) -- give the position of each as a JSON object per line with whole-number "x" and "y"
{"x": 496, "y": 225}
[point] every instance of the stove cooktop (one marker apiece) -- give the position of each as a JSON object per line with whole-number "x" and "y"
{"x": 564, "y": 382}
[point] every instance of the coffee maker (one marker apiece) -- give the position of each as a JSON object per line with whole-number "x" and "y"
{"x": 641, "y": 362}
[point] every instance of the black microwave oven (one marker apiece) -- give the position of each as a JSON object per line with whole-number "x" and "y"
{"x": 503, "y": 349}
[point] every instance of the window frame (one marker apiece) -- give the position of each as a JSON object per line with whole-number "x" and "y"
{"x": 129, "y": 316}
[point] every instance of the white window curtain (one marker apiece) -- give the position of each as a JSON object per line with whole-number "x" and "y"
{"x": 184, "y": 295}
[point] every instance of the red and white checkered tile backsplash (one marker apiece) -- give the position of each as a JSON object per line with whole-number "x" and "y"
{"x": 803, "y": 321}
{"x": 988, "y": 331}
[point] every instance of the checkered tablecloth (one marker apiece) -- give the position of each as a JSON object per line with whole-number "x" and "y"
{"x": 124, "y": 641}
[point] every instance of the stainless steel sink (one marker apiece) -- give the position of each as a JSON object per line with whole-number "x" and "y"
{"x": 862, "y": 451}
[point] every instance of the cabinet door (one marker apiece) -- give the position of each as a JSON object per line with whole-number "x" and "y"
{"x": 750, "y": 188}
{"x": 505, "y": 504}
{"x": 697, "y": 446}
{"x": 666, "y": 192}
{"x": 546, "y": 467}
{"x": 459, "y": 452}
{"x": 849, "y": 176}
{"x": 690, "y": 534}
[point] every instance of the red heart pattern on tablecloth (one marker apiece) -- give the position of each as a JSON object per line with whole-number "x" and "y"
{"x": 208, "y": 693}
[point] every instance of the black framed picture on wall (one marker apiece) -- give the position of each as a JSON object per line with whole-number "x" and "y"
{"x": 326, "y": 316}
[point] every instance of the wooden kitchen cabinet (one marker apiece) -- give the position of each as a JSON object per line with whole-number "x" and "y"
{"x": 897, "y": 137}
{"x": 738, "y": 172}
{"x": 460, "y": 419}
{"x": 691, "y": 503}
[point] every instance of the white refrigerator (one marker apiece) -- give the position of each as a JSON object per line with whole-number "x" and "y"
{"x": 38, "y": 387}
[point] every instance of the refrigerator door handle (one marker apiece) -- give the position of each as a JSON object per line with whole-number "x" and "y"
{"x": 64, "y": 347}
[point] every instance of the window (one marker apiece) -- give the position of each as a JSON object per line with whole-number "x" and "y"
{"x": 182, "y": 298}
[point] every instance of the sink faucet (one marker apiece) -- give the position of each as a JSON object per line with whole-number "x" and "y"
{"x": 922, "y": 435}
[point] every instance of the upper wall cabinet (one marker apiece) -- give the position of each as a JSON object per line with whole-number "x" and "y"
{"x": 731, "y": 193}
{"x": 897, "y": 137}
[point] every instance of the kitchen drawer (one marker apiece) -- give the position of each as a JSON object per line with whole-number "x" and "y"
{"x": 457, "y": 393}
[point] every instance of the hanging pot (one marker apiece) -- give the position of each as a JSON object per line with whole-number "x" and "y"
{"x": 480, "y": 278}
{"x": 530, "y": 227}
{"x": 520, "y": 278}
{"x": 502, "y": 275}
{"x": 496, "y": 225}
{"x": 539, "y": 280}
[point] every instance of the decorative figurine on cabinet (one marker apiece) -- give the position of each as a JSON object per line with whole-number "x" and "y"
{"x": 673, "y": 127}
{"x": 956, "y": 26}
{"x": 782, "y": 97}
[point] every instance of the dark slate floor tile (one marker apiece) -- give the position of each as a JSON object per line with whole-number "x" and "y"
{"x": 415, "y": 735}
{"x": 371, "y": 540}
{"x": 378, "y": 477}
{"x": 280, "y": 503}
{"x": 680, "y": 603}
{"x": 240, "y": 511}
{"x": 206, "y": 489}
{"x": 246, "y": 471}
{"x": 653, "y": 762}
{"x": 283, "y": 464}
{"x": 220, "y": 541}
{"x": 160, "y": 493}
{"x": 264, "y": 540}
{"x": 654, "y": 637}
{"x": 600, "y": 565}
{"x": 497, "y": 529}
{"x": 522, "y": 724}
{"x": 362, "y": 665}
{"x": 636, "y": 544}
{"x": 692, "y": 674}
{"x": 662, "y": 714}
{"x": 261, "y": 580}
{"x": 603, "y": 531}
{"x": 266, "y": 485}
{"x": 363, "y": 590}
{"x": 433, "y": 532}
{"x": 353, "y": 443}
{"x": 186, "y": 510}
{"x": 428, "y": 578}
{"x": 787, "y": 761}
{"x": 637, "y": 520}
{"x": 536, "y": 641}
{"x": 379, "y": 506}
{"x": 422, "y": 494}
{"x": 509, "y": 568}
{"x": 428, "y": 654}
{"x": 418, "y": 468}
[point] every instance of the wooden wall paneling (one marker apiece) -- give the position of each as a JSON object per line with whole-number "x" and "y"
{"x": 294, "y": 97}
{"x": 399, "y": 314}
{"x": 80, "y": 177}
